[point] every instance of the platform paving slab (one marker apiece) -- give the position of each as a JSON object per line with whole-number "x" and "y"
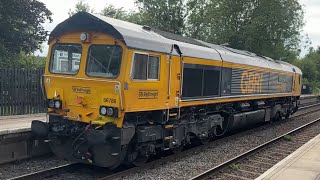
{"x": 20, "y": 123}
{"x": 303, "y": 164}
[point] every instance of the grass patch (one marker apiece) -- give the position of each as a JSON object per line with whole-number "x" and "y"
{"x": 288, "y": 138}
{"x": 235, "y": 166}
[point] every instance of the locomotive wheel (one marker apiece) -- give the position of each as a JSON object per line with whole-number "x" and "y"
{"x": 103, "y": 155}
{"x": 177, "y": 149}
{"x": 140, "y": 160}
{"x": 123, "y": 154}
{"x": 61, "y": 150}
{"x": 287, "y": 116}
{"x": 277, "y": 116}
{"x": 204, "y": 141}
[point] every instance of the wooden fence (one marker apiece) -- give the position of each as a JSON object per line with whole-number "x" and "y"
{"x": 20, "y": 92}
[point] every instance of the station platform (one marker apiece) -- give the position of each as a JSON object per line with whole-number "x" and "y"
{"x": 19, "y": 123}
{"x": 304, "y": 164}
{"x": 16, "y": 142}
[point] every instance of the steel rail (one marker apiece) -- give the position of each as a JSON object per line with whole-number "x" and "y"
{"x": 308, "y": 106}
{"x": 48, "y": 172}
{"x": 216, "y": 169}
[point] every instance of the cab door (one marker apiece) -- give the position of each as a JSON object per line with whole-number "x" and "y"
{"x": 175, "y": 81}
{"x": 146, "y": 82}
{"x": 297, "y": 84}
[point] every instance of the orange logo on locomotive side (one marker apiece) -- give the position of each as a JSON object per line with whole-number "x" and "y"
{"x": 251, "y": 82}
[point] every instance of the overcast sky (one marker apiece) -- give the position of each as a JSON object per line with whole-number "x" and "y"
{"x": 60, "y": 9}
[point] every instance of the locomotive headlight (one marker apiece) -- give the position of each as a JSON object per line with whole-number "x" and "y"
{"x": 54, "y": 104}
{"x": 51, "y": 104}
{"x": 110, "y": 111}
{"x": 57, "y": 104}
{"x": 83, "y": 36}
{"x": 103, "y": 111}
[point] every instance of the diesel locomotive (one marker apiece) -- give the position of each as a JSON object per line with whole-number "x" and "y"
{"x": 118, "y": 92}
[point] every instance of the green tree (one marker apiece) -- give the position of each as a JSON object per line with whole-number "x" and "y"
{"x": 166, "y": 15}
{"x": 113, "y": 12}
{"x": 81, "y": 6}
{"x": 31, "y": 61}
{"x": 266, "y": 27}
{"x": 21, "y": 28}
{"x": 310, "y": 67}
{"x": 122, "y": 14}
{"x": 109, "y": 10}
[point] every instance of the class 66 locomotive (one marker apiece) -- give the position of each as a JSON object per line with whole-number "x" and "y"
{"x": 118, "y": 92}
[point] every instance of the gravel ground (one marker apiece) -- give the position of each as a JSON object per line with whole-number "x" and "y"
{"x": 272, "y": 154}
{"x": 18, "y": 168}
{"x": 218, "y": 152}
{"x": 85, "y": 173}
{"x": 183, "y": 167}
{"x": 308, "y": 101}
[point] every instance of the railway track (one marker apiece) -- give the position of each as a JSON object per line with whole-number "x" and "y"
{"x": 307, "y": 106}
{"x": 119, "y": 175}
{"x": 48, "y": 172}
{"x": 107, "y": 174}
{"x": 256, "y": 161}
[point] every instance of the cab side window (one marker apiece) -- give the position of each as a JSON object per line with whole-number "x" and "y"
{"x": 145, "y": 67}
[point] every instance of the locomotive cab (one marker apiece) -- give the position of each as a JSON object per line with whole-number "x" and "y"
{"x": 83, "y": 78}
{"x": 82, "y": 82}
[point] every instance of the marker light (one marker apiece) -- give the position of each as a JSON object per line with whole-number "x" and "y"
{"x": 103, "y": 111}
{"x": 54, "y": 104}
{"x": 109, "y": 111}
{"x": 83, "y": 36}
{"x": 57, "y": 105}
{"x": 51, "y": 104}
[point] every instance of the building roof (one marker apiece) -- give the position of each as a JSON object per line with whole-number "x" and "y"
{"x": 146, "y": 38}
